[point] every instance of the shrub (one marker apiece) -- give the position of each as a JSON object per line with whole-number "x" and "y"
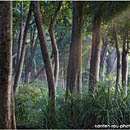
{"x": 101, "y": 107}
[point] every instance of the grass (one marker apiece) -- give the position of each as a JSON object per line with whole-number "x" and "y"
{"x": 100, "y": 108}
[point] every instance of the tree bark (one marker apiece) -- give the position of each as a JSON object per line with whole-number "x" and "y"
{"x": 111, "y": 58}
{"x": 35, "y": 66}
{"x": 124, "y": 65}
{"x": 38, "y": 74}
{"x": 118, "y": 58}
{"x": 20, "y": 38}
{"x": 21, "y": 61}
{"x": 45, "y": 55}
{"x": 29, "y": 61}
{"x": 54, "y": 45}
{"x": 103, "y": 56}
{"x": 74, "y": 72}
{"x": 95, "y": 53}
{"x": 6, "y": 104}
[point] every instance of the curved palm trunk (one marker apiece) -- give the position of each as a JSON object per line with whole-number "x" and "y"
{"x": 95, "y": 53}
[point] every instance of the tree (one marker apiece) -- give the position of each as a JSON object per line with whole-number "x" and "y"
{"x": 118, "y": 57}
{"x": 74, "y": 72}
{"x": 53, "y": 42}
{"x": 124, "y": 28}
{"x": 95, "y": 53}
{"x": 22, "y": 56}
{"x": 100, "y": 14}
{"x": 111, "y": 59}
{"x": 118, "y": 36}
{"x": 7, "y": 120}
{"x": 124, "y": 64}
{"x": 29, "y": 60}
{"x": 20, "y": 37}
{"x": 45, "y": 55}
{"x": 103, "y": 56}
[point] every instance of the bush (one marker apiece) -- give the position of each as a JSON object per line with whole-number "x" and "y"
{"x": 101, "y": 107}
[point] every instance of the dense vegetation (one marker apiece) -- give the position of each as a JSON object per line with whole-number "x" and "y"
{"x": 101, "y": 108}
{"x": 64, "y": 64}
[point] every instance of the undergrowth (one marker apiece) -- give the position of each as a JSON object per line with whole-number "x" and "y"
{"x": 99, "y": 108}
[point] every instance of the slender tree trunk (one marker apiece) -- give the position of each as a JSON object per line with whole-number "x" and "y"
{"x": 21, "y": 61}
{"x": 38, "y": 74}
{"x": 20, "y": 38}
{"x": 12, "y": 109}
{"x": 35, "y": 66}
{"x": 29, "y": 62}
{"x": 95, "y": 53}
{"x": 74, "y": 72}
{"x": 118, "y": 58}
{"x": 124, "y": 65}
{"x": 7, "y": 120}
{"x": 103, "y": 56}
{"x": 53, "y": 42}
{"x": 88, "y": 61}
{"x": 45, "y": 55}
{"x": 111, "y": 58}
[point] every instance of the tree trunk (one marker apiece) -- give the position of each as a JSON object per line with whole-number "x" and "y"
{"x": 103, "y": 56}
{"x": 6, "y": 104}
{"x": 20, "y": 38}
{"x": 29, "y": 61}
{"x": 21, "y": 61}
{"x": 95, "y": 53}
{"x": 124, "y": 65}
{"x": 35, "y": 66}
{"x": 118, "y": 58}
{"x": 74, "y": 72}
{"x": 88, "y": 62}
{"x": 111, "y": 58}
{"x": 45, "y": 55}
{"x": 53, "y": 42}
{"x": 38, "y": 74}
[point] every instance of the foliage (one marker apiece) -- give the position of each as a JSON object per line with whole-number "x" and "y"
{"x": 17, "y": 16}
{"x": 101, "y": 107}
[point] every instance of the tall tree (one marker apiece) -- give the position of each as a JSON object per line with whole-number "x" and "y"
{"x": 74, "y": 72}
{"x": 103, "y": 56}
{"x": 29, "y": 61}
{"x": 124, "y": 32}
{"x": 118, "y": 58}
{"x": 21, "y": 60}
{"x": 124, "y": 62}
{"x": 125, "y": 50}
{"x": 95, "y": 53}
{"x": 6, "y": 89}
{"x": 45, "y": 55}
{"x": 20, "y": 37}
{"x": 111, "y": 59}
{"x": 53, "y": 42}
